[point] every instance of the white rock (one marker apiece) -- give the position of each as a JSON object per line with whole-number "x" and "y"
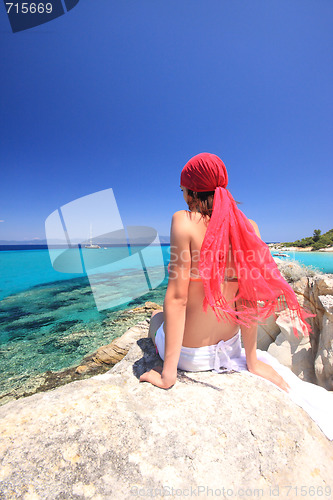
{"x": 324, "y": 357}
{"x": 110, "y": 437}
{"x": 295, "y": 353}
{"x": 267, "y": 333}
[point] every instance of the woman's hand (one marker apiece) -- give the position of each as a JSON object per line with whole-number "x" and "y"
{"x": 157, "y": 378}
{"x": 266, "y": 371}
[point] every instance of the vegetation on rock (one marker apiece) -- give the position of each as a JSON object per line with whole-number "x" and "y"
{"x": 294, "y": 271}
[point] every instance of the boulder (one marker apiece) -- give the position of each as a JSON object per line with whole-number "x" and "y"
{"x": 111, "y": 436}
{"x": 324, "y": 357}
{"x": 267, "y": 333}
{"x": 295, "y": 353}
{"x": 311, "y": 358}
{"x": 324, "y": 285}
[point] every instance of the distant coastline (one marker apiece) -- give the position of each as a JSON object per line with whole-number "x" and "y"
{"x": 316, "y": 243}
{"x": 31, "y": 246}
{"x": 281, "y": 248}
{"x": 278, "y": 247}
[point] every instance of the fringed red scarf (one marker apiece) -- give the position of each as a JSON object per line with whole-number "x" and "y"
{"x": 262, "y": 289}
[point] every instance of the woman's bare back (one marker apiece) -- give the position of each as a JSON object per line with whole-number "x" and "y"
{"x": 203, "y": 328}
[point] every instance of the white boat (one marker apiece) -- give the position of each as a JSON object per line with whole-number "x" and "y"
{"x": 91, "y": 244}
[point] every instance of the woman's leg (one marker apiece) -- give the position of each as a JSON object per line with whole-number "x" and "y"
{"x": 155, "y": 322}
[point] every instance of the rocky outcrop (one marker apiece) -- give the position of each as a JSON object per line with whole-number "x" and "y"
{"x": 324, "y": 356}
{"x": 112, "y": 437}
{"x": 267, "y": 333}
{"x": 311, "y": 358}
{"x": 295, "y": 353}
{"x": 316, "y": 293}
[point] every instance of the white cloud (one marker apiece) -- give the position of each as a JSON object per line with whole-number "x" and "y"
{"x": 2, "y": 221}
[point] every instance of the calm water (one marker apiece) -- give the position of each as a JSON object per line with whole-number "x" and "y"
{"x": 318, "y": 260}
{"x": 49, "y": 320}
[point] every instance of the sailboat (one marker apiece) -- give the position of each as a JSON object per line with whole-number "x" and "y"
{"x": 91, "y": 245}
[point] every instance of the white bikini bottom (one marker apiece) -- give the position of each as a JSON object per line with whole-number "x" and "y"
{"x": 229, "y": 356}
{"x": 215, "y": 357}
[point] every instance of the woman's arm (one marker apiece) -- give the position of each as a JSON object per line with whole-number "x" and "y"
{"x": 249, "y": 336}
{"x": 175, "y": 301}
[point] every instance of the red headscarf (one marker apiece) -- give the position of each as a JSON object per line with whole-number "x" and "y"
{"x": 262, "y": 289}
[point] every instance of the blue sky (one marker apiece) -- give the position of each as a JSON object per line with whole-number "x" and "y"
{"x": 122, "y": 94}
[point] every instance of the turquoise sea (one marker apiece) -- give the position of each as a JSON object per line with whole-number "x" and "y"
{"x": 318, "y": 260}
{"x": 49, "y": 320}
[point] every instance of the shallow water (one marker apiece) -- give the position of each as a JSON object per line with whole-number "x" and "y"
{"x": 52, "y": 327}
{"x": 318, "y": 260}
{"x": 49, "y": 320}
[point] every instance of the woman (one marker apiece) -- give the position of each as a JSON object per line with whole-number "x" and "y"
{"x": 222, "y": 281}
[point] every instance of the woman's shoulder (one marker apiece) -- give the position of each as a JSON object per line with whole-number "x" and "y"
{"x": 183, "y": 216}
{"x": 180, "y": 213}
{"x": 186, "y": 217}
{"x": 183, "y": 221}
{"x": 180, "y": 227}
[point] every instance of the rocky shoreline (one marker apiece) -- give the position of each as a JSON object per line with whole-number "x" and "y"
{"x": 310, "y": 358}
{"x": 280, "y": 248}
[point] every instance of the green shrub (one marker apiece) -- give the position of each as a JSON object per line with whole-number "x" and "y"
{"x": 317, "y": 241}
{"x": 323, "y": 242}
{"x": 287, "y": 244}
{"x": 316, "y": 234}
